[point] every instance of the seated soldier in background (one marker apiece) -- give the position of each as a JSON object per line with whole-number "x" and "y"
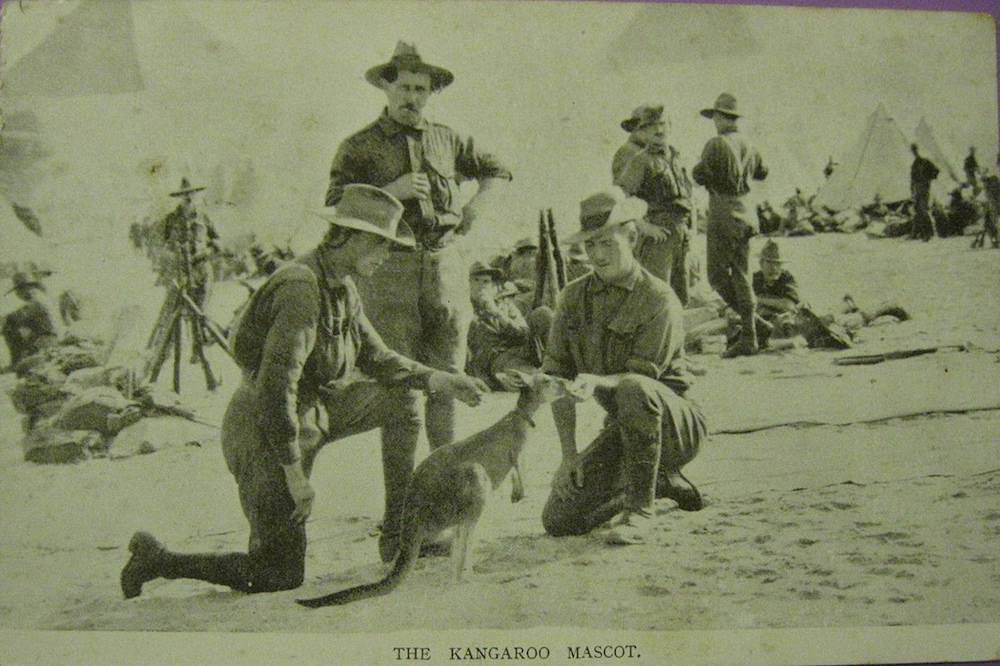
{"x": 498, "y": 334}
{"x": 500, "y": 338}
{"x": 33, "y": 326}
{"x": 519, "y": 267}
{"x": 768, "y": 220}
{"x": 776, "y": 290}
{"x": 779, "y": 303}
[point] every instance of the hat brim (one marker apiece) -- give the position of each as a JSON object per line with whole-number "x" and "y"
{"x": 404, "y": 235}
{"x": 23, "y": 285}
{"x": 629, "y": 124}
{"x": 190, "y": 190}
{"x": 440, "y": 77}
{"x": 708, "y": 113}
{"x": 632, "y": 209}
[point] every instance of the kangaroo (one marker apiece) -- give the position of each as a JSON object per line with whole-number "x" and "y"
{"x": 449, "y": 488}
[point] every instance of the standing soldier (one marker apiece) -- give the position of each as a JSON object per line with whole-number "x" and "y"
{"x": 728, "y": 163}
{"x": 193, "y": 240}
{"x": 922, "y": 172}
{"x": 419, "y": 302}
{"x": 971, "y": 168}
{"x": 647, "y": 168}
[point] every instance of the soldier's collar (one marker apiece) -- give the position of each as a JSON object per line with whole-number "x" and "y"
{"x": 391, "y": 127}
{"x": 649, "y": 146}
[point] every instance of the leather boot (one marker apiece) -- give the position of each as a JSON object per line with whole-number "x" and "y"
{"x": 640, "y": 461}
{"x": 674, "y": 485}
{"x": 229, "y": 569}
{"x": 151, "y": 560}
{"x": 145, "y": 564}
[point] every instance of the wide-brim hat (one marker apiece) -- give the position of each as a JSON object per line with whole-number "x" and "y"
{"x": 371, "y": 209}
{"x": 771, "y": 252}
{"x": 186, "y": 189}
{"x": 525, "y": 243}
{"x": 606, "y": 210}
{"x": 724, "y": 104}
{"x": 406, "y": 58}
{"x": 22, "y": 280}
{"x": 483, "y": 268}
{"x": 642, "y": 116}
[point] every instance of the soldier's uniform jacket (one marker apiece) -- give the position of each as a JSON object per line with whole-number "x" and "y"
{"x": 305, "y": 329}
{"x": 379, "y": 154}
{"x": 652, "y": 174}
{"x": 604, "y": 329}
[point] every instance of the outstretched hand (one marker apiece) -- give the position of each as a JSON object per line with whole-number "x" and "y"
{"x": 469, "y": 390}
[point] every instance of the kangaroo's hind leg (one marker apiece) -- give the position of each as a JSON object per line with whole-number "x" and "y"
{"x": 471, "y": 501}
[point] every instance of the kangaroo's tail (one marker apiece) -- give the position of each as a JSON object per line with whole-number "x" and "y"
{"x": 410, "y": 541}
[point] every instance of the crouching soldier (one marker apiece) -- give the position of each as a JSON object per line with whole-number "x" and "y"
{"x": 618, "y": 333}
{"x": 300, "y": 342}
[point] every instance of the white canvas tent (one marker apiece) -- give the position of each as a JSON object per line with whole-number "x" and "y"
{"x": 153, "y": 74}
{"x": 949, "y": 178}
{"x": 878, "y": 163}
{"x": 70, "y": 61}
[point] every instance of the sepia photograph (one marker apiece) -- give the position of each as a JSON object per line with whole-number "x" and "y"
{"x": 357, "y": 332}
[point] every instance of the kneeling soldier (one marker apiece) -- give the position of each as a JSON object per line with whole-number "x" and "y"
{"x": 618, "y": 332}
{"x": 300, "y": 343}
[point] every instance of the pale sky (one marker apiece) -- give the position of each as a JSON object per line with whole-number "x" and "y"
{"x": 275, "y": 85}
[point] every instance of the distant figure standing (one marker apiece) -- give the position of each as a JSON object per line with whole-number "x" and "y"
{"x": 971, "y": 168}
{"x": 991, "y": 209}
{"x": 728, "y": 163}
{"x": 647, "y": 168}
{"x": 922, "y": 173}
{"x": 194, "y": 241}
{"x": 419, "y": 302}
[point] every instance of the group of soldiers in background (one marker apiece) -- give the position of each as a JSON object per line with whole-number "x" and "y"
{"x": 975, "y": 201}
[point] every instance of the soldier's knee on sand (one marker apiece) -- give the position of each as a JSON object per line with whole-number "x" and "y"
{"x": 276, "y": 579}
{"x": 634, "y": 397}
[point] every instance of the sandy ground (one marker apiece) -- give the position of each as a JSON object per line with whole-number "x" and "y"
{"x": 877, "y": 503}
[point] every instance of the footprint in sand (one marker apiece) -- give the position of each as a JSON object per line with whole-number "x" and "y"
{"x": 655, "y": 591}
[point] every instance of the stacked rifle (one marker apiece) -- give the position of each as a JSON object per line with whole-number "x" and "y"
{"x": 550, "y": 266}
